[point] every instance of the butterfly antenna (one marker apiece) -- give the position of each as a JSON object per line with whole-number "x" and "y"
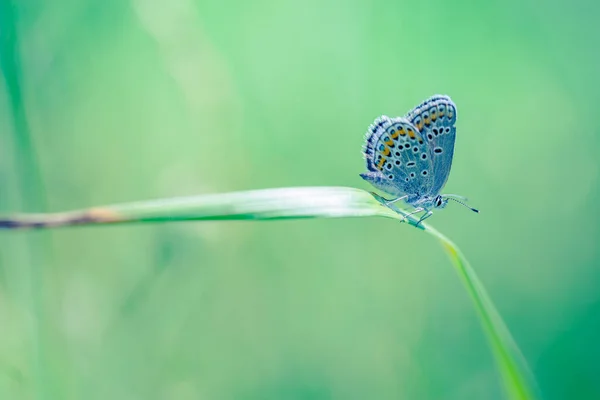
{"x": 464, "y": 204}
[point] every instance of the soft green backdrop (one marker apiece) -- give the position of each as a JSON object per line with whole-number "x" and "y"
{"x": 129, "y": 100}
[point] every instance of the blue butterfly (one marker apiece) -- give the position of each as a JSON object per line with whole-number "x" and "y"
{"x": 410, "y": 157}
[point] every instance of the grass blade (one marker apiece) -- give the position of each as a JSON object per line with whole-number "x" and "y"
{"x": 516, "y": 376}
{"x": 304, "y": 202}
{"x": 267, "y": 204}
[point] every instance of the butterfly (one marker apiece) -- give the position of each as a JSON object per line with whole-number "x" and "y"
{"x": 410, "y": 157}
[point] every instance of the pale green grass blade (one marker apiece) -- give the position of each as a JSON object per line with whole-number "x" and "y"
{"x": 267, "y": 204}
{"x": 304, "y": 202}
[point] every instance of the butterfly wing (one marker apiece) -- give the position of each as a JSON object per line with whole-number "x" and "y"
{"x": 435, "y": 119}
{"x": 397, "y": 158}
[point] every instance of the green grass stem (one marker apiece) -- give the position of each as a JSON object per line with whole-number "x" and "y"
{"x": 304, "y": 202}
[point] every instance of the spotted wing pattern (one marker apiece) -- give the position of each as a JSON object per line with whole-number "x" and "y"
{"x": 435, "y": 119}
{"x": 397, "y": 158}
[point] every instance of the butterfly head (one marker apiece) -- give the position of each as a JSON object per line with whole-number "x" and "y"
{"x": 428, "y": 202}
{"x": 439, "y": 201}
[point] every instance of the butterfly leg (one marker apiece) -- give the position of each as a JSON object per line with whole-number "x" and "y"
{"x": 416, "y": 211}
{"x": 425, "y": 216}
{"x": 392, "y": 201}
{"x": 385, "y": 201}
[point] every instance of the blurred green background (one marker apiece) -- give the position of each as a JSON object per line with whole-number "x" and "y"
{"x": 113, "y": 101}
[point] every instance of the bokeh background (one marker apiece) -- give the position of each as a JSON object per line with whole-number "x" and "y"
{"x": 114, "y": 101}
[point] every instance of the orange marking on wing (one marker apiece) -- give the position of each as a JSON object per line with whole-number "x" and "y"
{"x": 433, "y": 114}
{"x": 386, "y": 152}
{"x": 411, "y": 134}
{"x": 395, "y": 135}
{"x": 427, "y": 120}
{"x": 380, "y": 165}
{"x": 401, "y": 132}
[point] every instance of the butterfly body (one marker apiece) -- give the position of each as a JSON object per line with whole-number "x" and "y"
{"x": 410, "y": 157}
